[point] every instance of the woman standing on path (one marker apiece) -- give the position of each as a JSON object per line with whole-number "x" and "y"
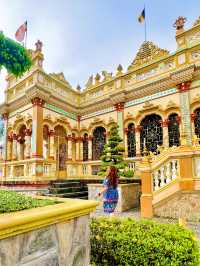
{"x": 110, "y": 191}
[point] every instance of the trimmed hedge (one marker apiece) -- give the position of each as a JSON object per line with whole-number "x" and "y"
{"x": 118, "y": 242}
{"x": 11, "y": 201}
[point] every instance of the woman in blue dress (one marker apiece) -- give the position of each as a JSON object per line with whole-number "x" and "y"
{"x": 110, "y": 191}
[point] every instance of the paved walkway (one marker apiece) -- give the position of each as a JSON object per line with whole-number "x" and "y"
{"x": 135, "y": 214}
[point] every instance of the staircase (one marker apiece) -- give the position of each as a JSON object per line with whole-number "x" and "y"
{"x": 68, "y": 189}
{"x": 171, "y": 183}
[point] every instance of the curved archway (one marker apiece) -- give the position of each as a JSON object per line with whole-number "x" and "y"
{"x": 131, "y": 140}
{"x": 173, "y": 130}
{"x": 197, "y": 122}
{"x": 151, "y": 133}
{"x": 98, "y": 142}
{"x": 21, "y": 142}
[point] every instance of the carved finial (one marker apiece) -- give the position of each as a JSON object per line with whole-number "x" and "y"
{"x": 106, "y": 75}
{"x": 197, "y": 21}
{"x": 97, "y": 78}
{"x": 119, "y": 69}
{"x": 78, "y": 88}
{"x": 179, "y": 23}
{"x": 89, "y": 82}
{"x": 38, "y": 46}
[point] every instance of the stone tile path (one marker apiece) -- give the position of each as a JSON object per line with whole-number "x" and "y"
{"x": 135, "y": 214}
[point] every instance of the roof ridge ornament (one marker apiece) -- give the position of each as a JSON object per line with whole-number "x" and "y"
{"x": 148, "y": 52}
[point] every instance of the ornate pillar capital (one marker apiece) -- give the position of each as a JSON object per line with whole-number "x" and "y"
{"x": 184, "y": 86}
{"x": 192, "y": 117}
{"x": 38, "y": 102}
{"x": 164, "y": 123}
{"x": 78, "y": 118}
{"x": 90, "y": 137}
{"x": 119, "y": 106}
{"x": 51, "y": 133}
{"x": 138, "y": 128}
{"x": 28, "y": 132}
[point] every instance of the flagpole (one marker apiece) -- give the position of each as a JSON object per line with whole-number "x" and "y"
{"x": 26, "y": 35}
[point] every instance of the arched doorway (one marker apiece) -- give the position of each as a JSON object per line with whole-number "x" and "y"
{"x": 151, "y": 133}
{"x": 45, "y": 141}
{"x": 98, "y": 142}
{"x": 173, "y": 130}
{"x": 61, "y": 147}
{"x": 197, "y": 122}
{"x": 131, "y": 140}
{"x": 85, "y": 147}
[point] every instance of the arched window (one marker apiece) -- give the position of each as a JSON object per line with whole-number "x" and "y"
{"x": 197, "y": 122}
{"x": 151, "y": 133}
{"x": 131, "y": 140}
{"x": 61, "y": 148}
{"x": 173, "y": 130}
{"x": 85, "y": 147}
{"x": 98, "y": 142}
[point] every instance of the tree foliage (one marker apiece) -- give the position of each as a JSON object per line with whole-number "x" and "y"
{"x": 113, "y": 152}
{"x": 13, "y": 56}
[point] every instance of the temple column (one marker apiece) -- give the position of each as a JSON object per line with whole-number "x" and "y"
{"x": 18, "y": 149}
{"x": 164, "y": 125}
{"x": 119, "y": 107}
{"x": 51, "y": 144}
{"x": 14, "y": 152}
{"x": 186, "y": 131}
{"x": 9, "y": 148}
{"x": 27, "y": 149}
{"x": 126, "y": 141}
{"x": 137, "y": 139}
{"x": 90, "y": 147}
{"x": 69, "y": 145}
{"x": 37, "y": 128}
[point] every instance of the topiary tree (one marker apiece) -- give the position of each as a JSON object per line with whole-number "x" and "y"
{"x": 13, "y": 56}
{"x": 113, "y": 152}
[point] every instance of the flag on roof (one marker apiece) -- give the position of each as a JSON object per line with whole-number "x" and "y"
{"x": 20, "y": 33}
{"x": 141, "y": 18}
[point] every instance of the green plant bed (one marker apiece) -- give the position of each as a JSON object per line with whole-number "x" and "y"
{"x": 11, "y": 201}
{"x": 118, "y": 242}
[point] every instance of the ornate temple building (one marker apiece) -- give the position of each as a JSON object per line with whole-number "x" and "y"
{"x": 51, "y": 130}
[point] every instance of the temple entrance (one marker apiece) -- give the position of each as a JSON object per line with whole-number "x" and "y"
{"x": 61, "y": 151}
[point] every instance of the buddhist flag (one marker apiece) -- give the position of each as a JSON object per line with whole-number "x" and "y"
{"x": 141, "y": 18}
{"x": 20, "y": 33}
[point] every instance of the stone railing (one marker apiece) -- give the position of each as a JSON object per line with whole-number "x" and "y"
{"x": 168, "y": 172}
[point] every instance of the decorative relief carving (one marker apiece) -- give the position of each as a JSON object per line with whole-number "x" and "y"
{"x": 195, "y": 55}
{"x": 194, "y": 38}
{"x": 179, "y": 23}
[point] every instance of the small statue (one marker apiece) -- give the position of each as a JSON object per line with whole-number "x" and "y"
{"x": 38, "y": 46}
{"x": 89, "y": 82}
{"x": 179, "y": 23}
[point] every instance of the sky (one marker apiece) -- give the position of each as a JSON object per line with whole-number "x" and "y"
{"x": 83, "y": 37}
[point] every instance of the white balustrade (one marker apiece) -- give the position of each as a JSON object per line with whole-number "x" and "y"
{"x": 165, "y": 174}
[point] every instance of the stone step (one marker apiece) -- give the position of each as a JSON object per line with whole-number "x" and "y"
{"x": 54, "y": 190}
{"x": 66, "y": 184}
{"x": 72, "y": 195}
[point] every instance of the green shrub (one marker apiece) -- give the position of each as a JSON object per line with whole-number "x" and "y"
{"x": 11, "y": 201}
{"x": 117, "y": 242}
{"x": 128, "y": 173}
